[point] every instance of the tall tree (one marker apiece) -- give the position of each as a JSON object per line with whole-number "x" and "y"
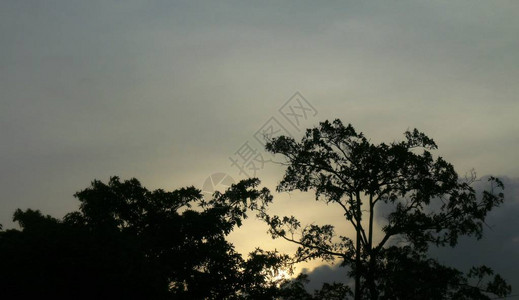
{"x": 428, "y": 205}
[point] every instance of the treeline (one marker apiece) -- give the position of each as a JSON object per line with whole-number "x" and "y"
{"x": 127, "y": 242}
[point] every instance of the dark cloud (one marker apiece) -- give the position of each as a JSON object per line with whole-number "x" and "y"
{"x": 326, "y": 273}
{"x": 499, "y": 247}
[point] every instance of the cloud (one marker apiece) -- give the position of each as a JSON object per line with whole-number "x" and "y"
{"x": 326, "y": 273}
{"x": 167, "y": 91}
{"x": 499, "y": 247}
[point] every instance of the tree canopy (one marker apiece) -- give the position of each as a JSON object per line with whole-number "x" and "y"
{"x": 428, "y": 205}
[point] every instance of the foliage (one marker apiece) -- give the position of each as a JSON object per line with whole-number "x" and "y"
{"x": 129, "y": 242}
{"x": 429, "y": 204}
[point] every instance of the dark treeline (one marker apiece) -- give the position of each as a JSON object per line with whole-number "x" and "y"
{"x": 127, "y": 242}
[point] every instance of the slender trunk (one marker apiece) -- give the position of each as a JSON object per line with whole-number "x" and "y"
{"x": 370, "y": 278}
{"x": 357, "y": 267}
{"x": 358, "y": 264}
{"x": 371, "y": 213}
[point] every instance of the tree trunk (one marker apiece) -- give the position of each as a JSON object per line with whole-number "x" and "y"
{"x": 370, "y": 279}
{"x": 358, "y": 263}
{"x": 357, "y": 267}
{"x": 370, "y": 276}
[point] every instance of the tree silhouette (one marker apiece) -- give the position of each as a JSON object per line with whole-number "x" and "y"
{"x": 126, "y": 241}
{"x": 132, "y": 243}
{"x": 428, "y": 205}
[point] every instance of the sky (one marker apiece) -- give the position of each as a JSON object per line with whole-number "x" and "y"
{"x": 172, "y": 92}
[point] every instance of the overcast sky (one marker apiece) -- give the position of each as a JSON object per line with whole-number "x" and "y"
{"x": 170, "y": 91}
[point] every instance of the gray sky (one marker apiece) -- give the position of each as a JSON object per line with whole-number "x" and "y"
{"x": 167, "y": 91}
